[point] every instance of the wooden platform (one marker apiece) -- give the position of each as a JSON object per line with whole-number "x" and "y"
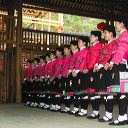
{"x": 19, "y": 116}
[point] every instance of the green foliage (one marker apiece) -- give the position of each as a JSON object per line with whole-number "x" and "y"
{"x": 72, "y": 24}
{"x": 80, "y": 25}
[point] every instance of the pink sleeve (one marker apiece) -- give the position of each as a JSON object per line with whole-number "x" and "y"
{"x": 58, "y": 68}
{"x": 122, "y": 49}
{"x": 94, "y": 58}
{"x": 70, "y": 63}
{"x": 45, "y": 71}
{"x": 82, "y": 64}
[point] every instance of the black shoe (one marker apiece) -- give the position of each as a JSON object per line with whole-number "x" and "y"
{"x": 71, "y": 113}
{"x": 117, "y": 124}
{"x": 54, "y": 110}
{"x": 64, "y": 111}
{"x": 126, "y": 122}
{"x": 76, "y": 113}
{"x": 59, "y": 110}
{"x": 103, "y": 120}
{"x": 93, "y": 117}
{"x": 48, "y": 109}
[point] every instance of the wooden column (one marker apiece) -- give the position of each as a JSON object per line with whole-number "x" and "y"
{"x": 10, "y": 74}
{"x": 18, "y": 52}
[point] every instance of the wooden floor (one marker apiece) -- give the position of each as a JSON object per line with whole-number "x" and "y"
{"x": 19, "y": 116}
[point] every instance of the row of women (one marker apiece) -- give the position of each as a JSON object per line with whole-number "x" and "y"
{"x": 58, "y": 76}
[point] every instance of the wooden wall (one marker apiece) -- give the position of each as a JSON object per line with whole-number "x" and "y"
{"x": 17, "y": 44}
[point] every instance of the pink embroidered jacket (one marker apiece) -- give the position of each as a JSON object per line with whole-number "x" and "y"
{"x": 66, "y": 65}
{"x": 107, "y": 52}
{"x": 92, "y": 56}
{"x": 58, "y": 67}
{"x": 122, "y": 41}
{"x": 81, "y": 60}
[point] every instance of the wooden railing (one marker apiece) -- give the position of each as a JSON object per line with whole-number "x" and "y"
{"x": 45, "y": 40}
{"x": 31, "y": 39}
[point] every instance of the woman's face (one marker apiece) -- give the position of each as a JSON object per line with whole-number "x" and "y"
{"x": 118, "y": 26}
{"x": 81, "y": 43}
{"x": 107, "y": 35}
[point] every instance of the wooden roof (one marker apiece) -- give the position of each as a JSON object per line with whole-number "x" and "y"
{"x": 104, "y": 9}
{"x": 6, "y": 4}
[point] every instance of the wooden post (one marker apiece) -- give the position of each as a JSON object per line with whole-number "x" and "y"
{"x": 10, "y": 82}
{"x": 49, "y": 28}
{"x": 34, "y": 26}
{"x": 60, "y": 22}
{"x": 18, "y": 52}
{"x": 49, "y": 23}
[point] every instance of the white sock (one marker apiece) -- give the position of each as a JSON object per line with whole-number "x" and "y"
{"x": 76, "y": 109}
{"x": 28, "y": 102}
{"x": 42, "y": 104}
{"x": 86, "y": 97}
{"x": 122, "y": 96}
{"x": 54, "y": 106}
{"x": 58, "y": 107}
{"x": 65, "y": 97}
{"x": 109, "y": 115}
{"x": 97, "y": 97}
{"x": 81, "y": 114}
{"x": 68, "y": 97}
{"x": 110, "y": 97}
{"x": 105, "y": 118}
{"x": 121, "y": 118}
{"x": 48, "y": 106}
{"x": 68, "y": 109}
{"x": 125, "y": 117}
{"x": 36, "y": 104}
{"x": 84, "y": 111}
{"x": 92, "y": 98}
{"x": 96, "y": 112}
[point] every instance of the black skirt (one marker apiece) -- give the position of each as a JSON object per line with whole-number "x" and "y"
{"x": 57, "y": 85}
{"x": 74, "y": 82}
{"x": 101, "y": 80}
{"x": 68, "y": 84}
{"x": 84, "y": 81}
{"x": 104, "y": 79}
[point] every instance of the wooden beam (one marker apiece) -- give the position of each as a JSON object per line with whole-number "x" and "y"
{"x": 18, "y": 52}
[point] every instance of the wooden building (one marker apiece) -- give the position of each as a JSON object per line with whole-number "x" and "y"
{"x": 17, "y": 43}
